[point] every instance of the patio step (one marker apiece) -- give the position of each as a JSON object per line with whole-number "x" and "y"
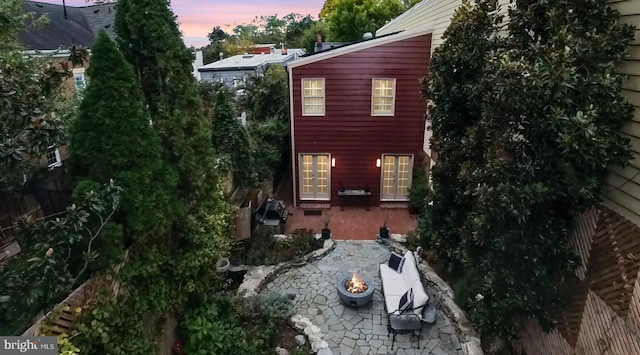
{"x": 314, "y": 206}
{"x": 394, "y": 205}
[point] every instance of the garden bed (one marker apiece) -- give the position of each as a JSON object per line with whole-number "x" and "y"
{"x": 264, "y": 249}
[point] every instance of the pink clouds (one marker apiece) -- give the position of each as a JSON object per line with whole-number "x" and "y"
{"x": 198, "y": 17}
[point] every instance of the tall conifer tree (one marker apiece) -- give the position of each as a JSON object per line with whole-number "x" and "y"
{"x": 112, "y": 139}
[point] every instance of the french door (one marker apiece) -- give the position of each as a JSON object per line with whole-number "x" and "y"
{"x": 396, "y": 177}
{"x": 314, "y": 176}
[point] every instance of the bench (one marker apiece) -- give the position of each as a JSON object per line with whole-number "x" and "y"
{"x": 354, "y": 197}
{"x": 406, "y": 300}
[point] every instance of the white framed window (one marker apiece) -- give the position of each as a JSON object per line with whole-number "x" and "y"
{"x": 315, "y": 176}
{"x": 79, "y": 80}
{"x": 313, "y": 97}
{"x": 53, "y": 157}
{"x": 396, "y": 177}
{"x": 383, "y": 97}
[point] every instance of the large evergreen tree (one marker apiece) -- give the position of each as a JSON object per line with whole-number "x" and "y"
{"x": 112, "y": 139}
{"x": 151, "y": 41}
{"x": 525, "y": 125}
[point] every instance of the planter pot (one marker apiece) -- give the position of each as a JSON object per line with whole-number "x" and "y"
{"x": 326, "y": 233}
{"x": 222, "y": 265}
{"x": 384, "y": 232}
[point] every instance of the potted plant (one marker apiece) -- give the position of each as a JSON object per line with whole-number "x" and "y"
{"x": 384, "y": 231}
{"x": 222, "y": 265}
{"x": 326, "y": 232}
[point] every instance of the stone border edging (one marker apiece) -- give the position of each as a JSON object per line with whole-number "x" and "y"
{"x": 446, "y": 300}
{"x": 257, "y": 277}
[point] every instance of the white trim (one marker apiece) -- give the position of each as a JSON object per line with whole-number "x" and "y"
{"x": 328, "y": 198}
{"x": 293, "y": 140}
{"x": 403, "y": 15}
{"x": 302, "y": 97}
{"x": 393, "y": 98}
{"x": 409, "y": 178}
{"x": 428, "y": 28}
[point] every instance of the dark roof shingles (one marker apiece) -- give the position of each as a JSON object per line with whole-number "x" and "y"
{"x": 80, "y": 27}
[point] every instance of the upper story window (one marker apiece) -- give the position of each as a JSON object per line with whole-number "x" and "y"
{"x": 53, "y": 157}
{"x": 313, "y": 97}
{"x": 383, "y": 97}
{"x": 79, "y": 80}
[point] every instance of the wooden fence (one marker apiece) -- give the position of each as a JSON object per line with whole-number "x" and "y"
{"x": 62, "y": 322}
{"x": 604, "y": 313}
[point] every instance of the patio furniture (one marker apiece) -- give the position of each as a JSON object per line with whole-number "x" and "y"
{"x": 354, "y": 197}
{"x": 404, "y": 295}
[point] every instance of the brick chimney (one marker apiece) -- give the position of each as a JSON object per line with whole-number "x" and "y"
{"x": 318, "y": 42}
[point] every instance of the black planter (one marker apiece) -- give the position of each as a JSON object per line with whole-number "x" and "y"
{"x": 326, "y": 233}
{"x": 384, "y": 232}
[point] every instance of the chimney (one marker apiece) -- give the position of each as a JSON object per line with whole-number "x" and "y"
{"x": 318, "y": 42}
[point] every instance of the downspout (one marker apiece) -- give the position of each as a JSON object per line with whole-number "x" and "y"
{"x": 293, "y": 141}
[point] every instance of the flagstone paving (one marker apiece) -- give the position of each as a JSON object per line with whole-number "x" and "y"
{"x": 357, "y": 331}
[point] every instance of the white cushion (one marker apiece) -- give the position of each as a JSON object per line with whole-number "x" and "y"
{"x": 420, "y": 297}
{"x": 391, "y": 301}
{"x": 392, "y": 282}
{"x": 410, "y": 270}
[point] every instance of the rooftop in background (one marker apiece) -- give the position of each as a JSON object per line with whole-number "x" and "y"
{"x": 80, "y": 26}
{"x": 251, "y": 61}
{"x": 322, "y": 47}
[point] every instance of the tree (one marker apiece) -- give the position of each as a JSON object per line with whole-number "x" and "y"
{"x": 525, "y": 126}
{"x": 348, "y": 20}
{"x": 33, "y": 107}
{"x": 217, "y": 35}
{"x": 267, "y": 95}
{"x": 230, "y": 139}
{"x": 309, "y": 37}
{"x": 114, "y": 123}
{"x": 296, "y": 26}
{"x": 152, "y": 43}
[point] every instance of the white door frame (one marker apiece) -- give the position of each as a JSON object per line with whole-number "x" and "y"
{"x": 395, "y": 178}
{"x": 316, "y": 196}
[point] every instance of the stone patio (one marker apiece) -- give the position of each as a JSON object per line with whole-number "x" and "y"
{"x": 356, "y": 331}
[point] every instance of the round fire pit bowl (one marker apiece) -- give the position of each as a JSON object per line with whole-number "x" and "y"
{"x": 355, "y": 299}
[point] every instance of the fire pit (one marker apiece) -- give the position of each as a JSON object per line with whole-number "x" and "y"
{"x": 355, "y": 290}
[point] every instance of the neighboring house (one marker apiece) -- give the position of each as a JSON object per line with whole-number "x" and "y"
{"x": 604, "y": 315}
{"x": 67, "y": 26}
{"x": 234, "y": 70}
{"x": 357, "y": 119}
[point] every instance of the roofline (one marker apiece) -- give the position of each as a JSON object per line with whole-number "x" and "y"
{"x": 336, "y": 52}
{"x": 404, "y": 14}
{"x": 55, "y": 53}
{"x": 72, "y": 6}
{"x": 203, "y": 69}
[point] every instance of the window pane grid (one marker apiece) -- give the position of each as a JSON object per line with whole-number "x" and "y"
{"x": 313, "y": 96}
{"x": 383, "y": 96}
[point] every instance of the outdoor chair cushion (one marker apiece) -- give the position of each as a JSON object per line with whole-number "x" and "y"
{"x": 406, "y": 301}
{"x": 395, "y": 262}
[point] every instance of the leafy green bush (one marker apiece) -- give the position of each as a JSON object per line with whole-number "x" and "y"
{"x": 263, "y": 249}
{"x": 224, "y": 325}
{"x": 419, "y": 189}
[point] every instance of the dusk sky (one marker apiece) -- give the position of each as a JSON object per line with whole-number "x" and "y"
{"x": 198, "y": 17}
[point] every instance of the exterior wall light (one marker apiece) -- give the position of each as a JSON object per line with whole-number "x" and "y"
{"x": 378, "y": 163}
{"x": 333, "y": 162}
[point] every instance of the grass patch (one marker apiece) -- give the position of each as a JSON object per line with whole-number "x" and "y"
{"x": 263, "y": 249}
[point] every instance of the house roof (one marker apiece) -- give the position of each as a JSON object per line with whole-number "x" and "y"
{"x": 389, "y": 26}
{"x": 80, "y": 27}
{"x": 358, "y": 46}
{"x": 250, "y": 61}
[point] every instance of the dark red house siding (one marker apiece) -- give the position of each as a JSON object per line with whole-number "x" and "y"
{"x": 353, "y": 137}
